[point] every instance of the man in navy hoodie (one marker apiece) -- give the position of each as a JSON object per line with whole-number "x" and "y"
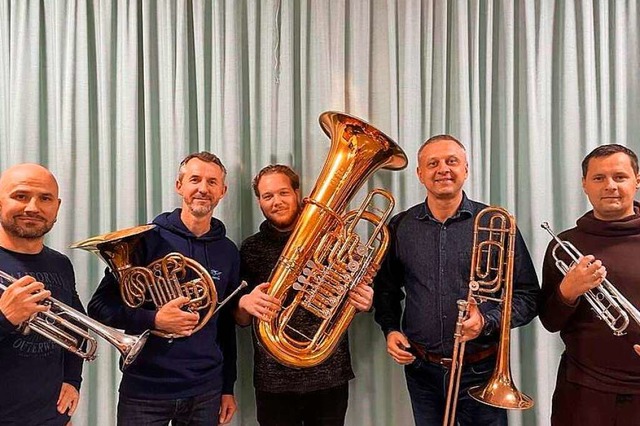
{"x": 39, "y": 380}
{"x": 187, "y": 380}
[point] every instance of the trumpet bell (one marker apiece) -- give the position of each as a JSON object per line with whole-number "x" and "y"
{"x": 500, "y": 392}
{"x": 131, "y": 348}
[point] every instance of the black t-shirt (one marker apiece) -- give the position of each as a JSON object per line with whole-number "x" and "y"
{"x": 32, "y": 367}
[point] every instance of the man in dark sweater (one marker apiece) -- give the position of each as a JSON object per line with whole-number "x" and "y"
{"x": 39, "y": 380}
{"x": 599, "y": 376}
{"x": 286, "y": 396}
{"x": 186, "y": 380}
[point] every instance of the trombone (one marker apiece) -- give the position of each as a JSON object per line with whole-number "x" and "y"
{"x": 67, "y": 327}
{"x": 491, "y": 279}
{"x": 606, "y": 300}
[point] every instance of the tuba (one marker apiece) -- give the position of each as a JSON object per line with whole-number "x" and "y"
{"x": 67, "y": 328}
{"x": 491, "y": 279}
{"x": 159, "y": 282}
{"x": 325, "y": 256}
{"x": 608, "y": 303}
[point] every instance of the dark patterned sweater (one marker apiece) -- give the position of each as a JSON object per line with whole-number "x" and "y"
{"x": 258, "y": 255}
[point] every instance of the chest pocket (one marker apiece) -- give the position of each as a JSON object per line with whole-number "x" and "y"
{"x": 463, "y": 262}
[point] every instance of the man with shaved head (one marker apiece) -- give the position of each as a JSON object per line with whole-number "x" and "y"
{"x": 40, "y": 380}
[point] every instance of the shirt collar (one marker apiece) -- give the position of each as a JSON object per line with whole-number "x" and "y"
{"x": 465, "y": 210}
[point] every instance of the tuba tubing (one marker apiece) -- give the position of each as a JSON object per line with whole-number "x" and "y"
{"x": 323, "y": 235}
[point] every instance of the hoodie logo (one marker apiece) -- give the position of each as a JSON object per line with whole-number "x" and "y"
{"x": 216, "y": 275}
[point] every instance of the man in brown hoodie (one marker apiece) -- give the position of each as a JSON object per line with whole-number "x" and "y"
{"x": 599, "y": 375}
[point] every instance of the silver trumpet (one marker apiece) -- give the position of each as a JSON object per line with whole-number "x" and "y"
{"x": 70, "y": 329}
{"x": 607, "y": 302}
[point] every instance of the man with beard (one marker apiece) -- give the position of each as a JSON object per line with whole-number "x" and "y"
{"x": 40, "y": 380}
{"x": 186, "y": 380}
{"x": 287, "y": 396}
{"x": 429, "y": 260}
{"x": 598, "y": 379}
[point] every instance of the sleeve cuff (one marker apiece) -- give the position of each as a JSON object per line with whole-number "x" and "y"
{"x": 388, "y": 330}
{"x": 6, "y": 327}
{"x": 490, "y": 326}
{"x": 227, "y": 388}
{"x": 492, "y": 316}
{"x": 562, "y": 301}
{"x": 73, "y": 382}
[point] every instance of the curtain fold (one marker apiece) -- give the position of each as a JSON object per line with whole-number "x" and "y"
{"x": 111, "y": 95}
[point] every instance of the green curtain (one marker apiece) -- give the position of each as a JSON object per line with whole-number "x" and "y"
{"x": 110, "y": 95}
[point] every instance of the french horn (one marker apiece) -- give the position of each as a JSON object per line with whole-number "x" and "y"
{"x": 163, "y": 280}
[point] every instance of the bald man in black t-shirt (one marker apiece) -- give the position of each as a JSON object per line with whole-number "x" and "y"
{"x": 40, "y": 380}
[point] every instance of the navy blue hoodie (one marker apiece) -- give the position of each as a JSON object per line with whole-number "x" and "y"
{"x": 188, "y": 366}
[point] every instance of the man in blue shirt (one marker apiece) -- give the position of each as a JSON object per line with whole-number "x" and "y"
{"x": 429, "y": 261}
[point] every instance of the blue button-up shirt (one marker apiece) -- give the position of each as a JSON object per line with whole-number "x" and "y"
{"x": 429, "y": 262}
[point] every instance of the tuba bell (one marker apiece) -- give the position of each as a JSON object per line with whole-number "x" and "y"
{"x": 159, "y": 282}
{"x": 491, "y": 279}
{"x": 325, "y": 256}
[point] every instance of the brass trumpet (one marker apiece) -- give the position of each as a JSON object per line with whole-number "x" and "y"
{"x": 69, "y": 328}
{"x": 606, "y": 300}
{"x": 491, "y": 279}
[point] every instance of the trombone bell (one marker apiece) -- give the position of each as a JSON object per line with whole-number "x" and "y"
{"x": 500, "y": 392}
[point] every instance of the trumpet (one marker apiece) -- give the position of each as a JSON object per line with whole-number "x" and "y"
{"x": 68, "y": 328}
{"x": 606, "y": 300}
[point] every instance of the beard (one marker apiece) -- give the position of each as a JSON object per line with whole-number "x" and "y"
{"x": 33, "y": 232}
{"x": 285, "y": 222}
{"x": 200, "y": 211}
